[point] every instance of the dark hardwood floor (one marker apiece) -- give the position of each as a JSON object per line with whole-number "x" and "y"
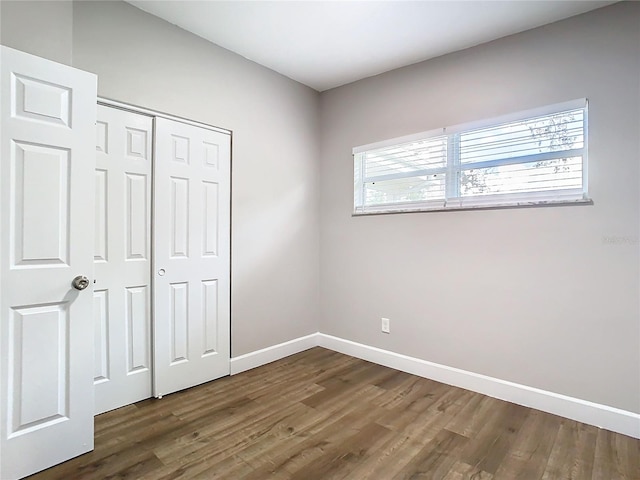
{"x": 323, "y": 415}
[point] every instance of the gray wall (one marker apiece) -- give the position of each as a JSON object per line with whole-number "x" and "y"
{"x": 546, "y": 297}
{"x": 42, "y": 28}
{"x": 146, "y": 61}
{"x": 143, "y": 60}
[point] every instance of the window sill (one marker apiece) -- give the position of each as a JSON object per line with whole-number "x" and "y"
{"x": 457, "y": 208}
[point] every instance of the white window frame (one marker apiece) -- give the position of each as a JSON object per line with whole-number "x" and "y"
{"x": 453, "y": 200}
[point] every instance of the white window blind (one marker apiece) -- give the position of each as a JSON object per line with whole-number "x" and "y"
{"x": 527, "y": 158}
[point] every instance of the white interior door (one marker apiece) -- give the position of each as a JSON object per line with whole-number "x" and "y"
{"x": 122, "y": 253}
{"x": 47, "y": 160}
{"x": 191, "y": 255}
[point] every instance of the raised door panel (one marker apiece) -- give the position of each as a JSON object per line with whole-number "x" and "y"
{"x": 137, "y": 143}
{"x": 41, "y": 101}
{"x": 138, "y": 332}
{"x": 101, "y": 209}
{"x": 101, "y": 335}
{"x": 210, "y": 219}
{"x": 179, "y": 211}
{"x": 39, "y": 192}
{"x": 179, "y": 322}
{"x": 39, "y": 374}
{"x": 210, "y": 317}
{"x": 136, "y": 216}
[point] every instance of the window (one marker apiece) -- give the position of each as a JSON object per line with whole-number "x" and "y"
{"x": 529, "y": 158}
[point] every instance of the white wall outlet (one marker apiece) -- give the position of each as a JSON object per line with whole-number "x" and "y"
{"x": 385, "y": 325}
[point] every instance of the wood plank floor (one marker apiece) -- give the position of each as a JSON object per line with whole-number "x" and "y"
{"x": 323, "y": 415}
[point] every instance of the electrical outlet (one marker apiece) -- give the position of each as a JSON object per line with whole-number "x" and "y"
{"x": 385, "y": 325}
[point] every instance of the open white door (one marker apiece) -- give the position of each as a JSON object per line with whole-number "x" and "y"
{"x": 191, "y": 255}
{"x": 47, "y": 159}
{"x": 122, "y": 293}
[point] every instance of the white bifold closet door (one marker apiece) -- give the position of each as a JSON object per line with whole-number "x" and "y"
{"x": 191, "y": 271}
{"x": 122, "y": 258}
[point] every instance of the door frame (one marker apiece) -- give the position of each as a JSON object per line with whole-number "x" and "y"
{"x": 109, "y": 102}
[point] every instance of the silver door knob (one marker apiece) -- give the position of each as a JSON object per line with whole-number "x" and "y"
{"x": 80, "y": 282}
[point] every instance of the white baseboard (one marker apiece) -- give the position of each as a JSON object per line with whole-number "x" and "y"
{"x": 255, "y": 359}
{"x": 603, "y": 416}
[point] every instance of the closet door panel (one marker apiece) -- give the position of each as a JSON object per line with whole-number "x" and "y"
{"x": 191, "y": 255}
{"x": 122, "y": 308}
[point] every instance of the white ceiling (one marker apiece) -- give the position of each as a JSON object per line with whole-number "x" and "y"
{"x": 325, "y": 44}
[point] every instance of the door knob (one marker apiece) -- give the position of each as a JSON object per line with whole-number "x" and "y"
{"x": 80, "y": 282}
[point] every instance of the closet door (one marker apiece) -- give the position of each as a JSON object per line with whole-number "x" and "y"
{"x": 191, "y": 256}
{"x": 122, "y": 253}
